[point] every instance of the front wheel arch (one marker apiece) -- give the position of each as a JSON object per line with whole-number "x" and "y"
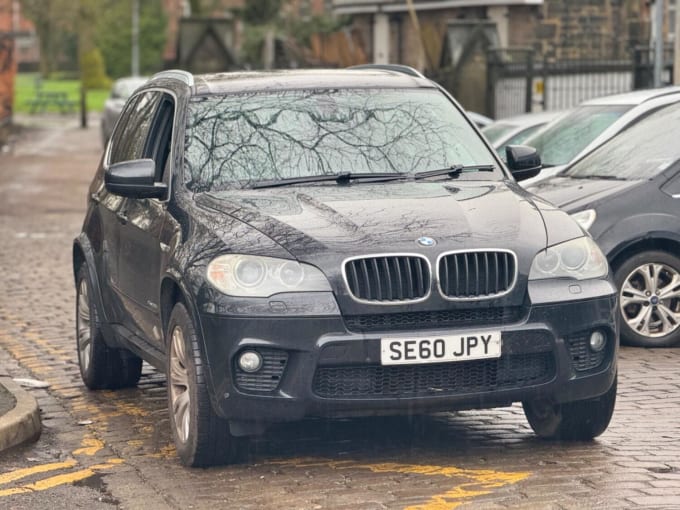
{"x": 171, "y": 294}
{"x": 620, "y": 254}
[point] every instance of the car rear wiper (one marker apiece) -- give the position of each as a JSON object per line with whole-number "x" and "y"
{"x": 454, "y": 171}
{"x": 342, "y": 178}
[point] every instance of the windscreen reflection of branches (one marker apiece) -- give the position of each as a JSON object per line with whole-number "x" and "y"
{"x": 235, "y": 140}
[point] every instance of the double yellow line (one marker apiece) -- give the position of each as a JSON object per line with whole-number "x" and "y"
{"x": 89, "y": 447}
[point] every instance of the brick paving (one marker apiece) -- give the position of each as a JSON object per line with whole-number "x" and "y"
{"x": 475, "y": 459}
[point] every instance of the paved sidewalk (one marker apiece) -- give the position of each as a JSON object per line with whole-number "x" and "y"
{"x": 19, "y": 415}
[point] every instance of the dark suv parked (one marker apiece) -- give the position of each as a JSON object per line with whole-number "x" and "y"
{"x": 625, "y": 193}
{"x": 333, "y": 243}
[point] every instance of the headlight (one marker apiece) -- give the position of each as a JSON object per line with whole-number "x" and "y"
{"x": 579, "y": 259}
{"x": 251, "y": 276}
{"x": 585, "y": 218}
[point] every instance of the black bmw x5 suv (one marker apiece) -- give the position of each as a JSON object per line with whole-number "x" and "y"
{"x": 333, "y": 243}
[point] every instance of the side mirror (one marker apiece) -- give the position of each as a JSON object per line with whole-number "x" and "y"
{"x": 134, "y": 179}
{"x": 523, "y": 161}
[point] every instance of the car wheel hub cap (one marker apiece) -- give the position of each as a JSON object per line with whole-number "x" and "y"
{"x": 179, "y": 385}
{"x": 83, "y": 323}
{"x": 650, "y": 300}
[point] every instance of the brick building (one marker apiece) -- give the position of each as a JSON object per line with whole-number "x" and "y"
{"x": 562, "y": 28}
{"x": 9, "y": 27}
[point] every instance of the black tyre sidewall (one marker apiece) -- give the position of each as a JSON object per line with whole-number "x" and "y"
{"x": 185, "y": 450}
{"x": 208, "y": 442}
{"x": 581, "y": 420}
{"x": 108, "y": 368}
{"x": 628, "y": 335}
{"x": 91, "y": 377}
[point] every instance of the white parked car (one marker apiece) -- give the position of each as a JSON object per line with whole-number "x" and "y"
{"x": 589, "y": 125}
{"x": 479, "y": 119}
{"x": 515, "y": 130}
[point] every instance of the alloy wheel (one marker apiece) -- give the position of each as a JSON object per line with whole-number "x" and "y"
{"x": 179, "y": 385}
{"x": 650, "y": 300}
{"x": 83, "y": 325}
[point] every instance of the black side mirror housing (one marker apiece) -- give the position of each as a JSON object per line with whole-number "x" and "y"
{"x": 523, "y": 161}
{"x": 134, "y": 179}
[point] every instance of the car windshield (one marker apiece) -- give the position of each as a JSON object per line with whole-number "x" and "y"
{"x": 640, "y": 152}
{"x": 561, "y": 141}
{"x": 238, "y": 140}
{"x": 519, "y": 138}
{"x": 496, "y": 131}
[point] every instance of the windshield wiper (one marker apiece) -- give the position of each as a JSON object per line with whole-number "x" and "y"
{"x": 454, "y": 171}
{"x": 598, "y": 177}
{"x": 342, "y": 178}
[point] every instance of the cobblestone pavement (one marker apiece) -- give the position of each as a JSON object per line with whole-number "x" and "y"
{"x": 113, "y": 449}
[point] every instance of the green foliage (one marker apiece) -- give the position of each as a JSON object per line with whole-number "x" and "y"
{"x": 206, "y": 7}
{"x": 114, "y": 36}
{"x": 261, "y": 12}
{"x": 92, "y": 70}
{"x": 263, "y": 15}
{"x": 251, "y": 48}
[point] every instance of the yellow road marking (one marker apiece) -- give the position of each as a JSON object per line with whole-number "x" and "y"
{"x": 481, "y": 481}
{"x": 42, "y": 468}
{"x": 90, "y": 447}
{"x": 478, "y": 482}
{"x": 54, "y": 481}
{"x": 165, "y": 452}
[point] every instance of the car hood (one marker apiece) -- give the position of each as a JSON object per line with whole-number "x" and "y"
{"x": 574, "y": 194}
{"x": 312, "y": 221}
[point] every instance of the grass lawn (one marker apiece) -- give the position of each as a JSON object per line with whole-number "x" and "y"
{"x": 25, "y": 88}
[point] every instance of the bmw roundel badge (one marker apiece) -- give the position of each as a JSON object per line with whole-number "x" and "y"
{"x": 426, "y": 241}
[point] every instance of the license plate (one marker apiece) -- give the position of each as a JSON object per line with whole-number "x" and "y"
{"x": 440, "y": 348}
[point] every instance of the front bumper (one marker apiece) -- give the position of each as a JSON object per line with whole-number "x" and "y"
{"x": 318, "y": 366}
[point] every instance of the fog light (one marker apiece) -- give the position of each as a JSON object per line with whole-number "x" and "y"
{"x": 250, "y": 361}
{"x": 597, "y": 341}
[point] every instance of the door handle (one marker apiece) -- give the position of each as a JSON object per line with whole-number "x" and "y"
{"x": 122, "y": 217}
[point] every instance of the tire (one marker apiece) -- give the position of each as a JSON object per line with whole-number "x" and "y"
{"x": 101, "y": 367}
{"x": 201, "y": 437}
{"x": 581, "y": 420}
{"x": 649, "y": 299}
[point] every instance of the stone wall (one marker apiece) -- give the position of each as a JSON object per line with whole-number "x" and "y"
{"x": 591, "y": 28}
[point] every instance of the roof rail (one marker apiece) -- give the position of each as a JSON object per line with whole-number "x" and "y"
{"x": 177, "y": 74}
{"x": 398, "y": 68}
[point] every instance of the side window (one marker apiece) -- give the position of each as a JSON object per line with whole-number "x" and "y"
{"x": 119, "y": 129}
{"x": 159, "y": 142}
{"x": 131, "y": 133}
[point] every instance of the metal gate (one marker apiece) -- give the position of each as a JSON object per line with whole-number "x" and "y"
{"x": 520, "y": 81}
